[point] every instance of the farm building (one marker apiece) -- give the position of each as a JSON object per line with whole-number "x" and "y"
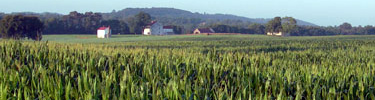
{"x": 203, "y": 31}
{"x": 156, "y": 28}
{"x": 276, "y": 34}
{"x": 168, "y": 30}
{"x": 104, "y": 32}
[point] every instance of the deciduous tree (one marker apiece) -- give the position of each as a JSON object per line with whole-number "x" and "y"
{"x": 274, "y": 25}
{"x": 19, "y": 27}
{"x": 138, "y": 22}
{"x": 289, "y": 25}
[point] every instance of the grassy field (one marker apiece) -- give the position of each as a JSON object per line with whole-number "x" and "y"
{"x": 134, "y": 38}
{"x": 222, "y": 67}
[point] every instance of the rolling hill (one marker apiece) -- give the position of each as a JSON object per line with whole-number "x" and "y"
{"x": 172, "y": 13}
{"x": 167, "y": 14}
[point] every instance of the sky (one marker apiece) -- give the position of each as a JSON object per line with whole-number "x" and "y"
{"x": 320, "y": 12}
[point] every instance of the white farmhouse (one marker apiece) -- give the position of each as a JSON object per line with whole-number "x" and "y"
{"x": 104, "y": 32}
{"x": 156, "y": 28}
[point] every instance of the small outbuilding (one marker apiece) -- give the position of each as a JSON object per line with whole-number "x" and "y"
{"x": 203, "y": 31}
{"x": 276, "y": 34}
{"x": 104, "y": 32}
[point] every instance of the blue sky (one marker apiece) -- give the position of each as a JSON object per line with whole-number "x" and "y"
{"x": 321, "y": 12}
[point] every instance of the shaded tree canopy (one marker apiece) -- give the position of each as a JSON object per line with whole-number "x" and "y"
{"x": 79, "y": 23}
{"x": 177, "y": 29}
{"x": 87, "y": 23}
{"x": 19, "y": 27}
{"x": 257, "y": 28}
{"x": 274, "y": 25}
{"x": 138, "y": 22}
{"x": 289, "y": 25}
{"x": 346, "y": 28}
{"x": 117, "y": 26}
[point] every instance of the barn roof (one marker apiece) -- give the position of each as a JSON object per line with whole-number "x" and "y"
{"x": 103, "y": 28}
{"x": 167, "y": 27}
{"x": 205, "y": 30}
{"x": 152, "y": 23}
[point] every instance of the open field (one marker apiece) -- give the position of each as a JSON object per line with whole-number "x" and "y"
{"x": 188, "y": 67}
{"x": 134, "y": 38}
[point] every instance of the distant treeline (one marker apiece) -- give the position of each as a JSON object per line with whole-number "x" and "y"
{"x": 78, "y": 23}
{"x": 21, "y": 27}
{"x": 87, "y": 23}
{"x": 293, "y": 29}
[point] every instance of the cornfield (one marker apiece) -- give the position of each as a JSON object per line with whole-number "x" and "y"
{"x": 282, "y": 69}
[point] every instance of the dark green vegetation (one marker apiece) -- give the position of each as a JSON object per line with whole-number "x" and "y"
{"x": 139, "y": 21}
{"x": 19, "y": 27}
{"x": 184, "y": 22}
{"x": 286, "y": 25}
{"x": 178, "y": 16}
{"x": 87, "y": 23}
{"x": 191, "y": 67}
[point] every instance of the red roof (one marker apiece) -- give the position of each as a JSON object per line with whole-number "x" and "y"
{"x": 152, "y": 23}
{"x": 103, "y": 28}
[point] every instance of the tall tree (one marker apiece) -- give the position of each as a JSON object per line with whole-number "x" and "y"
{"x": 177, "y": 29}
{"x": 33, "y": 28}
{"x": 138, "y": 22}
{"x": 117, "y": 26}
{"x": 274, "y": 25}
{"x": 257, "y": 28}
{"x": 19, "y": 27}
{"x": 289, "y": 25}
{"x": 346, "y": 28}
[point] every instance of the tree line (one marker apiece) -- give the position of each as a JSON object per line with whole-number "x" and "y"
{"x": 289, "y": 26}
{"x": 18, "y": 26}
{"x": 79, "y": 23}
{"x": 82, "y": 23}
{"x": 21, "y": 26}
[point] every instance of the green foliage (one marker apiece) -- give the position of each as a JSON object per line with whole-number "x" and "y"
{"x": 257, "y": 28}
{"x": 82, "y": 23}
{"x": 289, "y": 25}
{"x": 220, "y": 28}
{"x": 177, "y": 29}
{"x": 200, "y": 67}
{"x": 187, "y": 21}
{"x": 19, "y": 27}
{"x": 346, "y": 28}
{"x": 138, "y": 22}
{"x": 274, "y": 25}
{"x": 117, "y": 26}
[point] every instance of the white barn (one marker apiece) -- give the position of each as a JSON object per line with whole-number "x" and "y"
{"x": 104, "y": 32}
{"x": 156, "y": 28}
{"x": 277, "y": 34}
